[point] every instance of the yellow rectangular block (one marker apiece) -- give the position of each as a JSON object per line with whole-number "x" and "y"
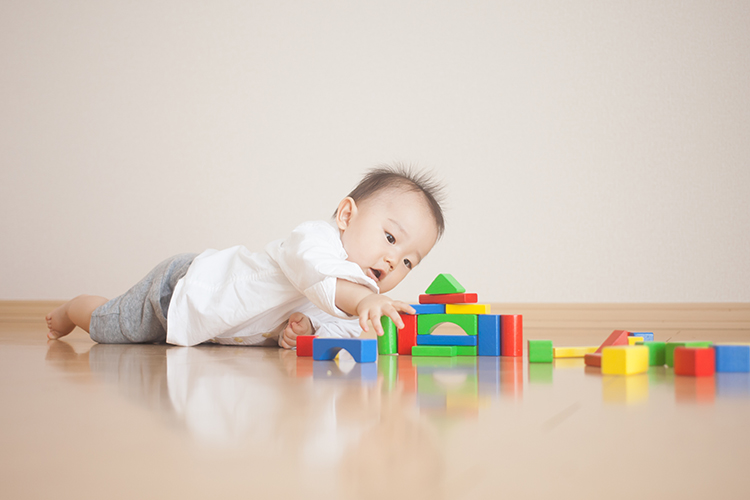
{"x": 467, "y": 309}
{"x": 624, "y": 360}
{"x": 634, "y": 340}
{"x": 573, "y": 352}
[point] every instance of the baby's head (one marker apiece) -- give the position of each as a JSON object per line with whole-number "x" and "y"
{"x": 390, "y": 222}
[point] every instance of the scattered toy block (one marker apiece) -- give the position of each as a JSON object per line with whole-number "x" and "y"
{"x": 656, "y": 353}
{"x": 443, "y": 284}
{"x": 511, "y": 335}
{"x": 429, "y": 308}
{"x": 457, "y": 340}
{"x": 732, "y": 358}
{"x": 466, "y": 350}
{"x": 573, "y": 352}
{"x": 634, "y": 340}
{"x": 671, "y": 346}
{"x": 594, "y": 359}
{"x": 388, "y": 342}
{"x": 646, "y": 336}
{"x": 467, "y": 309}
{"x": 618, "y": 337}
{"x": 449, "y": 298}
{"x": 427, "y": 323}
{"x": 624, "y": 360}
{"x": 407, "y": 336}
{"x": 540, "y": 351}
{"x": 305, "y": 345}
{"x": 434, "y": 350}
{"x": 488, "y": 337}
{"x": 694, "y": 361}
{"x": 362, "y": 350}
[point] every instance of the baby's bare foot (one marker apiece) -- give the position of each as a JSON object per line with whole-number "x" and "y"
{"x": 59, "y": 323}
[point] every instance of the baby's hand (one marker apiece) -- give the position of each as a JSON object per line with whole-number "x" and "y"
{"x": 298, "y": 324}
{"x": 374, "y": 306}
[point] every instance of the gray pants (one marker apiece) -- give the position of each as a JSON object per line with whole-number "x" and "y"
{"x": 140, "y": 315}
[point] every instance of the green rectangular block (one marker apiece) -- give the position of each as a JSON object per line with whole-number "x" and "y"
{"x": 388, "y": 342}
{"x": 426, "y": 323}
{"x": 434, "y": 350}
{"x": 466, "y": 350}
{"x": 671, "y": 346}
{"x": 656, "y": 353}
{"x": 540, "y": 351}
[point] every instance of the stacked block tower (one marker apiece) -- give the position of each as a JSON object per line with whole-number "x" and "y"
{"x": 446, "y": 301}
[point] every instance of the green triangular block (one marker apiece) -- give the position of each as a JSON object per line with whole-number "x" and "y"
{"x": 444, "y": 283}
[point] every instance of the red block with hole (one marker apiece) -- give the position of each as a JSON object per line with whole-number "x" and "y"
{"x": 407, "y": 336}
{"x": 305, "y": 345}
{"x": 694, "y": 362}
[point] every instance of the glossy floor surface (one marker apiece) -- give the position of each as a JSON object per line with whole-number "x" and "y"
{"x": 81, "y": 420}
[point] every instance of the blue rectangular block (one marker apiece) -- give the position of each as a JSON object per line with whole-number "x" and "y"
{"x": 362, "y": 350}
{"x": 732, "y": 358}
{"x": 446, "y": 340}
{"x": 429, "y": 308}
{"x": 647, "y": 336}
{"x": 488, "y": 335}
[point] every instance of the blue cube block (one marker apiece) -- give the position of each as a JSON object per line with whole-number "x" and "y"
{"x": 362, "y": 350}
{"x": 429, "y": 308}
{"x": 647, "y": 336}
{"x": 732, "y": 358}
{"x": 488, "y": 335}
{"x": 446, "y": 340}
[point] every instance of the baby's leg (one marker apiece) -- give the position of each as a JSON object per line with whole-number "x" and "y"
{"x": 76, "y": 312}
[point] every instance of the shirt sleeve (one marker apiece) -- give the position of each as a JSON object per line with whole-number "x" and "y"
{"x": 327, "y": 326}
{"x": 312, "y": 258}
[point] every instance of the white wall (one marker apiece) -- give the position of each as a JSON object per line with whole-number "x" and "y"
{"x": 594, "y": 151}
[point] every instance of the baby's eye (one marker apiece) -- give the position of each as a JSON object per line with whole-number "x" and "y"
{"x": 407, "y": 262}
{"x": 390, "y": 238}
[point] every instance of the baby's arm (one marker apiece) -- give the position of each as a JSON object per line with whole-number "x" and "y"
{"x": 298, "y": 324}
{"x": 359, "y": 300}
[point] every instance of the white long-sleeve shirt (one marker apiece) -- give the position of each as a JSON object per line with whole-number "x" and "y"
{"x": 242, "y": 297}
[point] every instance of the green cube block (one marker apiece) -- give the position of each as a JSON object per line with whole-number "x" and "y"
{"x": 671, "y": 346}
{"x": 388, "y": 342}
{"x": 426, "y": 323}
{"x": 466, "y": 350}
{"x": 656, "y": 352}
{"x": 540, "y": 351}
{"x": 434, "y": 350}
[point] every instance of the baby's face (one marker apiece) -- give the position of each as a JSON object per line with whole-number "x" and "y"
{"x": 387, "y": 235}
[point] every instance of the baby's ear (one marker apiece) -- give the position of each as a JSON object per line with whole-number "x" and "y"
{"x": 346, "y": 211}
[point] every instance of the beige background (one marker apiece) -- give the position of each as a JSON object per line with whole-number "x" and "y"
{"x": 594, "y": 151}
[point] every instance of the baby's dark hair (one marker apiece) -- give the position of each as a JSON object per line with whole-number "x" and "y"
{"x": 407, "y": 178}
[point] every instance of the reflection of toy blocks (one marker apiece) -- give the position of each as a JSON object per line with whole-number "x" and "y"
{"x": 428, "y": 322}
{"x": 434, "y": 350}
{"x": 362, "y": 350}
{"x": 407, "y": 337}
{"x": 624, "y": 360}
{"x": 449, "y": 298}
{"x": 671, "y": 346}
{"x": 467, "y": 309}
{"x": 694, "y": 361}
{"x": 305, "y": 345}
{"x": 488, "y": 338}
{"x": 540, "y": 351}
{"x": 573, "y": 352}
{"x": 511, "y": 335}
{"x": 388, "y": 342}
{"x": 646, "y": 336}
{"x": 732, "y": 358}
{"x": 655, "y": 353}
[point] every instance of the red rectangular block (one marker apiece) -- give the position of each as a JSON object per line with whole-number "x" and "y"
{"x": 511, "y": 335}
{"x": 618, "y": 337}
{"x": 593, "y": 359}
{"x": 449, "y": 298}
{"x": 694, "y": 362}
{"x": 305, "y": 345}
{"x": 407, "y": 336}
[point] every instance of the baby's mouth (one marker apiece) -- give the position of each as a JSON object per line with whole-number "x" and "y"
{"x": 375, "y": 274}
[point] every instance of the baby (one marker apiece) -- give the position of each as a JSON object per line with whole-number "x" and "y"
{"x": 316, "y": 281}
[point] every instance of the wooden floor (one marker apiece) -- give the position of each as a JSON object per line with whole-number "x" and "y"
{"x": 82, "y": 420}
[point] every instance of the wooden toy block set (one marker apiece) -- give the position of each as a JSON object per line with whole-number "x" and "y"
{"x": 628, "y": 353}
{"x": 444, "y": 301}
